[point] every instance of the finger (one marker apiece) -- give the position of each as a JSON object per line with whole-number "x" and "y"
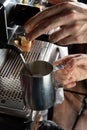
{"x": 70, "y": 80}
{"x": 75, "y": 61}
{"x": 63, "y": 76}
{"x": 78, "y": 38}
{"x": 70, "y": 65}
{"x": 69, "y": 41}
{"x": 70, "y": 85}
{"x": 56, "y": 9}
{"x": 63, "y": 61}
{"x": 79, "y": 6}
{"x": 66, "y": 31}
{"x": 65, "y": 81}
{"x": 51, "y": 11}
{"x": 57, "y": 1}
{"x": 79, "y": 60}
{"x": 58, "y": 20}
{"x": 49, "y": 24}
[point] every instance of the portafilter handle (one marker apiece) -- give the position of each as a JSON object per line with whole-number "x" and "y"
{"x": 12, "y": 47}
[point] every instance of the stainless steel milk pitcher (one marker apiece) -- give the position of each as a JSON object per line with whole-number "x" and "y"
{"x": 37, "y": 85}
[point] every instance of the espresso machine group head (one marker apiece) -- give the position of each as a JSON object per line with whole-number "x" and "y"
{"x": 13, "y": 14}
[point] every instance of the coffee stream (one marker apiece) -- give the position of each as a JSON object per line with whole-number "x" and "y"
{"x": 25, "y": 64}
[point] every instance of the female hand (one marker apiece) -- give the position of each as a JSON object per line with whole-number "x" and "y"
{"x": 75, "y": 69}
{"x": 71, "y": 17}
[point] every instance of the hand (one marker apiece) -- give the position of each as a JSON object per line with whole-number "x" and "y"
{"x": 71, "y": 17}
{"x": 75, "y": 69}
{"x": 57, "y": 1}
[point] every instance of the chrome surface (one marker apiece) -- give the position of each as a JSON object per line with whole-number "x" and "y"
{"x": 38, "y": 86}
{"x": 11, "y": 101}
{"x": 3, "y": 55}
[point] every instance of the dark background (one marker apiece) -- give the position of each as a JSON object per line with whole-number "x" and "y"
{"x": 84, "y": 1}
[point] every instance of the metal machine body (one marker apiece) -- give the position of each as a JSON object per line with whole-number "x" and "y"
{"x": 11, "y": 101}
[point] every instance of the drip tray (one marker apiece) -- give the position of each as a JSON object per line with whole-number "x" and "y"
{"x": 11, "y": 97}
{"x": 11, "y": 101}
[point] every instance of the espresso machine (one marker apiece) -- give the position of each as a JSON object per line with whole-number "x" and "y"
{"x": 13, "y": 15}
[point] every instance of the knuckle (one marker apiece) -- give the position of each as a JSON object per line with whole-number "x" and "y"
{"x": 75, "y": 27}
{"x": 66, "y": 4}
{"x": 73, "y": 15}
{"x": 78, "y": 38}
